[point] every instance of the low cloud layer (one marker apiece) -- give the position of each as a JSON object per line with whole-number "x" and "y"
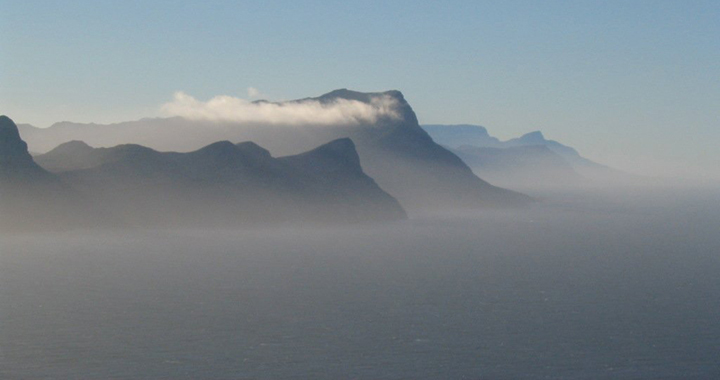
{"x": 309, "y": 112}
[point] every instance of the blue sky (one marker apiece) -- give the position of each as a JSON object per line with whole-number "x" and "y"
{"x": 635, "y": 84}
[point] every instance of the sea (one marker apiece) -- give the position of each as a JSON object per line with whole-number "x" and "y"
{"x": 592, "y": 285}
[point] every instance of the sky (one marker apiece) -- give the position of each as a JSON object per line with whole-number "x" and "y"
{"x": 632, "y": 84}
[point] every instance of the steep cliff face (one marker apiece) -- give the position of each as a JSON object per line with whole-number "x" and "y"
{"x": 16, "y": 163}
{"x": 406, "y": 162}
{"x": 32, "y": 198}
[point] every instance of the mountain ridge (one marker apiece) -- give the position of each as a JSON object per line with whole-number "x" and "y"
{"x": 394, "y": 150}
{"x": 455, "y": 136}
{"x": 220, "y": 185}
{"x": 226, "y": 183}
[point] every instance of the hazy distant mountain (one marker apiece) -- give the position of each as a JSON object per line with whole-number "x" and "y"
{"x": 462, "y": 134}
{"x": 536, "y": 138}
{"x": 30, "y": 197}
{"x": 224, "y": 184}
{"x": 394, "y": 150}
{"x": 549, "y": 171}
{"x": 73, "y": 155}
{"x": 521, "y": 167}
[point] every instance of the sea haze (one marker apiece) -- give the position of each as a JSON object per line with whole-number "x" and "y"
{"x": 580, "y": 286}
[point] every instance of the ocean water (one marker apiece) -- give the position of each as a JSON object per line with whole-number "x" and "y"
{"x": 579, "y": 287}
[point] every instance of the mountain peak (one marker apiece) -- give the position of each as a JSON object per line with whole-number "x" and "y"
{"x": 535, "y": 136}
{"x": 8, "y": 130}
{"x": 224, "y": 151}
{"x": 336, "y": 153}
{"x": 73, "y": 146}
{"x": 13, "y": 150}
{"x": 220, "y": 146}
{"x": 343, "y": 147}
{"x": 252, "y": 149}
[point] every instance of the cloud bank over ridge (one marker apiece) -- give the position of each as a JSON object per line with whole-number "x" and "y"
{"x": 302, "y": 112}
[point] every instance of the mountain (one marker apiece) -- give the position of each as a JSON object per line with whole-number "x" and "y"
{"x": 455, "y": 136}
{"x": 598, "y": 173}
{"x": 16, "y": 163}
{"x": 224, "y": 184}
{"x": 536, "y": 138}
{"x": 32, "y": 198}
{"x": 522, "y": 167}
{"x": 393, "y": 148}
{"x": 462, "y": 134}
{"x": 73, "y": 155}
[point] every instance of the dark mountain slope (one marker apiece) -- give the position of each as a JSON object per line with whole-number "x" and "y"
{"x": 224, "y": 184}
{"x": 32, "y": 198}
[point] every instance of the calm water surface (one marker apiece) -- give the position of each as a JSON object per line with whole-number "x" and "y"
{"x": 592, "y": 287}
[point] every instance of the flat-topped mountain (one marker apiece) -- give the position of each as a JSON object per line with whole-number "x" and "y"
{"x": 224, "y": 184}
{"x": 393, "y": 148}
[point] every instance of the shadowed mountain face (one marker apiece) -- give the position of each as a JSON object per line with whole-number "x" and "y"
{"x": 393, "y": 149}
{"x": 16, "y": 163}
{"x": 224, "y": 184}
{"x": 30, "y": 197}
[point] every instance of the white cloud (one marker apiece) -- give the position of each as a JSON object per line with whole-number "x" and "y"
{"x": 305, "y": 112}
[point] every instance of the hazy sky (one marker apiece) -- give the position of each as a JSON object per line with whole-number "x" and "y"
{"x": 634, "y": 84}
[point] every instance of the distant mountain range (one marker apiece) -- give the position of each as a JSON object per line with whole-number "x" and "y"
{"x": 222, "y": 184}
{"x": 394, "y": 150}
{"x": 529, "y": 161}
{"x": 521, "y": 167}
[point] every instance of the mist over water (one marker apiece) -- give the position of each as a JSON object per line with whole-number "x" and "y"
{"x": 580, "y": 286}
